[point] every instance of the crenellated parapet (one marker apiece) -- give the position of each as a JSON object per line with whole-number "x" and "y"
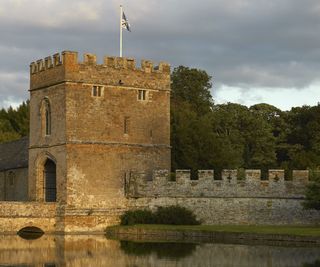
{"x": 115, "y": 71}
{"x": 232, "y": 184}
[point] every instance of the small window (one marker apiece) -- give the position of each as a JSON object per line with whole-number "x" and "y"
{"x": 45, "y": 117}
{"x": 97, "y": 90}
{"x": 126, "y": 125}
{"x": 142, "y": 94}
{"x": 48, "y": 122}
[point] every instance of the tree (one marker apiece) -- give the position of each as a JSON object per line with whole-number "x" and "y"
{"x": 192, "y": 86}
{"x": 14, "y": 123}
{"x": 303, "y": 138}
{"x": 251, "y": 143}
{"x": 313, "y": 195}
{"x": 191, "y": 105}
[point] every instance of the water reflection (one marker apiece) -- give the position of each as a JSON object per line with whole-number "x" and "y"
{"x": 161, "y": 250}
{"x": 314, "y": 264}
{"x": 75, "y": 250}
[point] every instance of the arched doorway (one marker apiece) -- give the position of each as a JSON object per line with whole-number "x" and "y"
{"x": 50, "y": 181}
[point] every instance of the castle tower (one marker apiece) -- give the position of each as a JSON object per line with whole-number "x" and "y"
{"x": 91, "y": 125}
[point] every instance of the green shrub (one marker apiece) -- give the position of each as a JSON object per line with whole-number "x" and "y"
{"x": 136, "y": 217}
{"x": 175, "y": 215}
{"x": 313, "y": 195}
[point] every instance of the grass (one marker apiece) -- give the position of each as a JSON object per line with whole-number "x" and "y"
{"x": 257, "y": 229}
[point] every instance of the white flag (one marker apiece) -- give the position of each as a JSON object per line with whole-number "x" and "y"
{"x": 125, "y": 23}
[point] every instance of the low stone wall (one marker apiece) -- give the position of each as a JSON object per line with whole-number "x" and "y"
{"x": 262, "y": 211}
{"x": 55, "y": 217}
{"x": 227, "y": 201}
{"x": 17, "y": 215}
{"x": 230, "y": 185}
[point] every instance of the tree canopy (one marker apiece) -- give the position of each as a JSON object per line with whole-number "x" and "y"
{"x": 14, "y": 123}
{"x": 205, "y": 135}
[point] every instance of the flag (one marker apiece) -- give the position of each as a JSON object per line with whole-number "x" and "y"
{"x": 125, "y": 23}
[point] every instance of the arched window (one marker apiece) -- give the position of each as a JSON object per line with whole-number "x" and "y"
{"x": 46, "y": 117}
{"x": 50, "y": 183}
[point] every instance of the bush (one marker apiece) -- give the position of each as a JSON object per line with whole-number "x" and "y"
{"x": 313, "y": 195}
{"x": 175, "y": 215}
{"x": 136, "y": 217}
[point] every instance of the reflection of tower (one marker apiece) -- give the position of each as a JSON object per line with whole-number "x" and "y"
{"x": 93, "y": 124}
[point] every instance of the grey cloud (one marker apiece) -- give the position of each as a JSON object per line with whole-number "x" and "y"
{"x": 241, "y": 43}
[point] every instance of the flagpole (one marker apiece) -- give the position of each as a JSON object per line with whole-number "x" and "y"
{"x": 121, "y": 12}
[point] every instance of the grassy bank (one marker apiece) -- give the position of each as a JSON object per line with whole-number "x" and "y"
{"x": 311, "y": 231}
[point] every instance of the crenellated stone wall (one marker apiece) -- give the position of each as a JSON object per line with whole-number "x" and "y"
{"x": 232, "y": 200}
{"x": 65, "y": 67}
{"x": 251, "y": 185}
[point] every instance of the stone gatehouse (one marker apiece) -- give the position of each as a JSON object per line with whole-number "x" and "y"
{"x": 90, "y": 126}
{"x": 99, "y": 144}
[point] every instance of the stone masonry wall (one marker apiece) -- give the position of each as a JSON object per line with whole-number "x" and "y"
{"x": 242, "y": 210}
{"x": 14, "y": 185}
{"x": 251, "y": 185}
{"x": 65, "y": 67}
{"x": 96, "y": 141}
{"x": 17, "y": 215}
{"x": 248, "y": 200}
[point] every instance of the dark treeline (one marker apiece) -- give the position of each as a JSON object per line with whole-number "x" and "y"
{"x": 206, "y": 136}
{"x": 14, "y": 123}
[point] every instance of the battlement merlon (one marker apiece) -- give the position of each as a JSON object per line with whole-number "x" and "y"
{"x": 115, "y": 71}
{"x": 250, "y": 176}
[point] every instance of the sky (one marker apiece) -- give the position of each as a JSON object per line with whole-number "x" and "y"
{"x": 256, "y": 51}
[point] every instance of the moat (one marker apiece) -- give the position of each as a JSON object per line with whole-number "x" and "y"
{"x": 97, "y": 250}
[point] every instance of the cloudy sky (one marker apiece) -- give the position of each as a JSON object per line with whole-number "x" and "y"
{"x": 256, "y": 50}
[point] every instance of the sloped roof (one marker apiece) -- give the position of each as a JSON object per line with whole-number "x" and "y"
{"x": 14, "y": 154}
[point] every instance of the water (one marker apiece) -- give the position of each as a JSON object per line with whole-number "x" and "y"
{"x": 81, "y": 250}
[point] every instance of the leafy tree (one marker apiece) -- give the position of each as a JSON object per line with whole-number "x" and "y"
{"x": 192, "y": 86}
{"x": 303, "y": 138}
{"x": 14, "y": 123}
{"x": 191, "y": 105}
{"x": 250, "y": 138}
{"x": 313, "y": 195}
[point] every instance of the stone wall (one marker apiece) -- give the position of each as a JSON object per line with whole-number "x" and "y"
{"x": 246, "y": 200}
{"x": 90, "y": 208}
{"x": 240, "y": 210}
{"x": 55, "y": 217}
{"x": 96, "y": 140}
{"x": 250, "y": 185}
{"x": 14, "y": 184}
{"x": 17, "y": 215}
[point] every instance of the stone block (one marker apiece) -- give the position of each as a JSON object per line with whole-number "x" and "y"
{"x": 183, "y": 176}
{"x": 300, "y": 176}
{"x": 229, "y": 176}
{"x": 90, "y": 58}
{"x": 276, "y": 176}
{"x": 253, "y": 176}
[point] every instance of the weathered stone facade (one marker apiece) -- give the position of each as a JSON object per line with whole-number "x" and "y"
{"x": 105, "y": 122}
{"x": 97, "y": 132}
{"x": 232, "y": 200}
{"x": 96, "y": 140}
{"x": 251, "y": 185}
{"x": 14, "y": 170}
